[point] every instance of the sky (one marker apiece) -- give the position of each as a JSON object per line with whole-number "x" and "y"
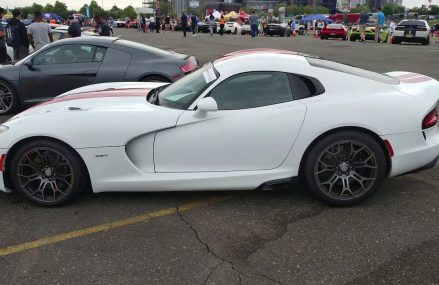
{"x": 76, "y": 4}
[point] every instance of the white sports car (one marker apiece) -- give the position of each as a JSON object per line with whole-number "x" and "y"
{"x": 235, "y": 124}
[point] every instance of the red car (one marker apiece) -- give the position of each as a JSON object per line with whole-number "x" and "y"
{"x": 334, "y": 31}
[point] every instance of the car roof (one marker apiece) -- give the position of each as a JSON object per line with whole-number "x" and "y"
{"x": 102, "y": 41}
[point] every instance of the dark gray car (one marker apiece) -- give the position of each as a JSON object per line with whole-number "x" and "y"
{"x": 72, "y": 63}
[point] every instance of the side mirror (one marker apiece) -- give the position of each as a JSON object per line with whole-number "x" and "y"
{"x": 29, "y": 65}
{"x": 207, "y": 104}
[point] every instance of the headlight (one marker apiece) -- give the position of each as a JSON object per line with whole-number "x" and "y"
{"x": 3, "y": 129}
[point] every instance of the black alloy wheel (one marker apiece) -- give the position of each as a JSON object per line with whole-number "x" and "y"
{"x": 48, "y": 173}
{"x": 345, "y": 168}
{"x": 8, "y": 99}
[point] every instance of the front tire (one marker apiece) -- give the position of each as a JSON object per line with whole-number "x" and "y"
{"x": 8, "y": 99}
{"x": 345, "y": 168}
{"x": 48, "y": 173}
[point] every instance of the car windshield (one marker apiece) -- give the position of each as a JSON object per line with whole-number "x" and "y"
{"x": 412, "y": 23}
{"x": 182, "y": 93}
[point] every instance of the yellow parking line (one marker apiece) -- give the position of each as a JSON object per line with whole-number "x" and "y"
{"x": 108, "y": 226}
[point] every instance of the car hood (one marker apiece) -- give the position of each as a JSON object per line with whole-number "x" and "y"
{"x": 103, "y": 118}
{"x": 103, "y": 97}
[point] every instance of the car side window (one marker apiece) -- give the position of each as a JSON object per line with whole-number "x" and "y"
{"x": 304, "y": 87}
{"x": 252, "y": 90}
{"x": 66, "y": 54}
{"x": 99, "y": 54}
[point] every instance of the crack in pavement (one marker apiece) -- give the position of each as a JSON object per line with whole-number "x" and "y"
{"x": 209, "y": 250}
{"x": 222, "y": 259}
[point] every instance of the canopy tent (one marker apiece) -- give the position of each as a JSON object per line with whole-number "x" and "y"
{"x": 232, "y": 15}
{"x": 243, "y": 14}
{"x": 51, "y": 16}
{"x": 317, "y": 17}
{"x": 8, "y": 15}
{"x": 214, "y": 12}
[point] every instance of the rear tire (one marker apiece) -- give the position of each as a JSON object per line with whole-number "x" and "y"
{"x": 154, "y": 78}
{"x": 48, "y": 173}
{"x": 426, "y": 42}
{"x": 345, "y": 168}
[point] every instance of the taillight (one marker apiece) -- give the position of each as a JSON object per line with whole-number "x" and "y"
{"x": 430, "y": 120}
{"x": 2, "y": 162}
{"x": 191, "y": 65}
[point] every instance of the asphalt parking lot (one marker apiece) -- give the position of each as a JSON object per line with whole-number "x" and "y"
{"x": 282, "y": 236}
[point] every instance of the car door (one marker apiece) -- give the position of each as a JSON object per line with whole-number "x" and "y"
{"x": 255, "y": 127}
{"x": 60, "y": 69}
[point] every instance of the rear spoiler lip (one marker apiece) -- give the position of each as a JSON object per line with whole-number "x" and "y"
{"x": 409, "y": 77}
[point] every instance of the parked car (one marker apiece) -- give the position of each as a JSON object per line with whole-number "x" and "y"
{"x": 232, "y": 28}
{"x": 412, "y": 31}
{"x": 235, "y": 124}
{"x": 334, "y": 31}
{"x": 203, "y": 27}
{"x": 354, "y": 33}
{"x": 246, "y": 29}
{"x": 75, "y": 62}
{"x": 281, "y": 30}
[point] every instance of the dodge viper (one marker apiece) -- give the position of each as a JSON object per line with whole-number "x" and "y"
{"x": 234, "y": 124}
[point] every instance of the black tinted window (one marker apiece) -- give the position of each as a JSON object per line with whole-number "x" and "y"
{"x": 412, "y": 23}
{"x": 66, "y": 54}
{"x": 252, "y": 90}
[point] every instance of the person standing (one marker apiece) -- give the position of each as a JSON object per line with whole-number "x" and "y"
{"x": 253, "y": 24}
{"x": 143, "y": 24}
{"x": 157, "y": 24}
{"x": 74, "y": 30}
{"x": 111, "y": 24}
{"x": 222, "y": 22}
{"x": 151, "y": 23}
{"x": 364, "y": 17}
{"x": 21, "y": 48}
{"x": 139, "y": 23}
{"x": 3, "y": 53}
{"x": 379, "y": 25}
{"x": 127, "y": 22}
{"x": 39, "y": 32}
{"x": 194, "y": 25}
{"x": 211, "y": 23}
{"x": 105, "y": 28}
{"x": 167, "y": 23}
{"x": 184, "y": 24}
{"x": 293, "y": 27}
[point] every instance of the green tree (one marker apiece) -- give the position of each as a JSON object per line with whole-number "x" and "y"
{"x": 36, "y": 8}
{"x": 115, "y": 12}
{"x": 48, "y": 8}
{"x": 83, "y": 9}
{"x": 390, "y": 9}
{"x": 360, "y": 8}
{"x": 60, "y": 9}
{"x": 434, "y": 10}
{"x": 129, "y": 12}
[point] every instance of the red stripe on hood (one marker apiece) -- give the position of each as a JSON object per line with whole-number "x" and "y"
{"x": 99, "y": 94}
